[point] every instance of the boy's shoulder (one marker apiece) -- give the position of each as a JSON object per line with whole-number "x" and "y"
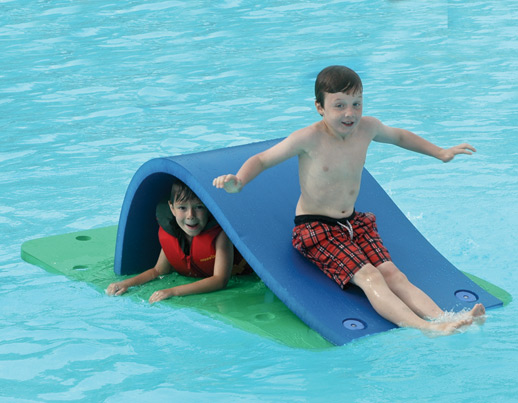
{"x": 370, "y": 125}
{"x": 370, "y": 121}
{"x": 306, "y": 134}
{"x": 310, "y": 132}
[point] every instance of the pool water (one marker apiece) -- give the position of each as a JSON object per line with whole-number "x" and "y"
{"x": 89, "y": 91}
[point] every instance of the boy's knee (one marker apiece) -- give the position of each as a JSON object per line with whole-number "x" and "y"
{"x": 367, "y": 275}
{"x": 391, "y": 273}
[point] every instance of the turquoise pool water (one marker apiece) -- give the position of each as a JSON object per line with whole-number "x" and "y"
{"x": 91, "y": 90}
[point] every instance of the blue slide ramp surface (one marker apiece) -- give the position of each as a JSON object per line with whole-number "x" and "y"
{"x": 259, "y": 221}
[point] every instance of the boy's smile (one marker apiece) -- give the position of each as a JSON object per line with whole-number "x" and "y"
{"x": 341, "y": 112}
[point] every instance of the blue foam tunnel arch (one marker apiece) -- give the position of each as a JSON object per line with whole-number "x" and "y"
{"x": 259, "y": 221}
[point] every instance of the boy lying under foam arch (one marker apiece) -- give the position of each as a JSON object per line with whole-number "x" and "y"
{"x": 192, "y": 244}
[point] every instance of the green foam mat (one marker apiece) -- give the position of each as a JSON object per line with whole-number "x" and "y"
{"x": 246, "y": 303}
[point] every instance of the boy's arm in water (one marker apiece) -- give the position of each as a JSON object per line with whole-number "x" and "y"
{"x": 287, "y": 148}
{"x": 411, "y": 141}
{"x": 222, "y": 270}
{"x": 162, "y": 267}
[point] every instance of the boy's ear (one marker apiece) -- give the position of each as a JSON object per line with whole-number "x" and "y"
{"x": 171, "y": 207}
{"x": 320, "y": 109}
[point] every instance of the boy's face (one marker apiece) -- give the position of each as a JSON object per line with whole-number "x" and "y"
{"x": 341, "y": 112}
{"x": 191, "y": 216}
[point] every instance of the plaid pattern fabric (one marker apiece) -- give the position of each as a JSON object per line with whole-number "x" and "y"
{"x": 331, "y": 248}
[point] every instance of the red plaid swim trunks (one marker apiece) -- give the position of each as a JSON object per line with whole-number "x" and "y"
{"x": 340, "y": 247}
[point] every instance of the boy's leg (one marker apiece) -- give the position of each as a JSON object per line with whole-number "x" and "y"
{"x": 391, "y": 307}
{"x": 369, "y": 240}
{"x": 331, "y": 250}
{"x": 412, "y": 296}
{"x": 415, "y": 298}
{"x": 370, "y": 243}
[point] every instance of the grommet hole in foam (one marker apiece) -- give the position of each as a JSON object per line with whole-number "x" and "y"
{"x": 466, "y": 296}
{"x": 354, "y": 324}
{"x": 80, "y": 267}
{"x": 83, "y": 237}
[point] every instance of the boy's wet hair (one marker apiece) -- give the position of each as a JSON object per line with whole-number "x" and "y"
{"x": 335, "y": 79}
{"x": 180, "y": 192}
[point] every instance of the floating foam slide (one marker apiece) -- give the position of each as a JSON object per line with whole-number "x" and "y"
{"x": 259, "y": 221}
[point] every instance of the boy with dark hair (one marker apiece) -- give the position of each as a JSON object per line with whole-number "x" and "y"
{"x": 193, "y": 244}
{"x": 328, "y": 231}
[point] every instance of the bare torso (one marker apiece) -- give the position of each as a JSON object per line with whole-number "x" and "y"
{"x": 330, "y": 170}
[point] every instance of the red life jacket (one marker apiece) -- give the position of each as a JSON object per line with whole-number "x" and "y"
{"x": 200, "y": 261}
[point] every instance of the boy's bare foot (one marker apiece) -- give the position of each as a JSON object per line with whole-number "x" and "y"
{"x": 447, "y": 328}
{"x": 478, "y": 310}
{"x": 478, "y": 313}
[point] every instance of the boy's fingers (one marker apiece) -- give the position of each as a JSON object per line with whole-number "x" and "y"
{"x": 221, "y": 180}
{"x": 230, "y": 183}
{"x": 228, "y": 178}
{"x": 466, "y": 146}
{"x": 155, "y": 297}
{"x": 216, "y": 182}
{"x": 111, "y": 289}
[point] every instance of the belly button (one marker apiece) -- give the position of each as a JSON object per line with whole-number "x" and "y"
{"x": 325, "y": 169}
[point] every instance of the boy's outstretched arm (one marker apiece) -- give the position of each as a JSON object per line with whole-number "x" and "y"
{"x": 222, "y": 270}
{"x": 256, "y": 164}
{"x": 248, "y": 171}
{"x": 411, "y": 141}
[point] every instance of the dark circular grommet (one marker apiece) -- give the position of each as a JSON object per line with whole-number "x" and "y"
{"x": 83, "y": 238}
{"x": 466, "y": 296}
{"x": 354, "y": 324}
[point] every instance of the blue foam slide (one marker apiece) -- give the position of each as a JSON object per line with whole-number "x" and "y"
{"x": 259, "y": 221}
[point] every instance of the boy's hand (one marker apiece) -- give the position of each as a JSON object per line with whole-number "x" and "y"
{"x": 116, "y": 289}
{"x": 160, "y": 295}
{"x": 230, "y": 183}
{"x": 448, "y": 154}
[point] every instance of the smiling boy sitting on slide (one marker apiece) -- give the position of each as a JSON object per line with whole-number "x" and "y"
{"x": 328, "y": 231}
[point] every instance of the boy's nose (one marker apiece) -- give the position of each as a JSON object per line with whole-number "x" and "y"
{"x": 349, "y": 111}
